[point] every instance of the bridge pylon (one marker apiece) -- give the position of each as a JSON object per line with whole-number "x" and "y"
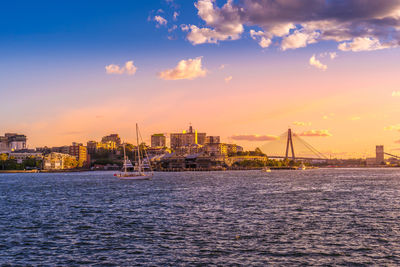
{"x": 289, "y": 142}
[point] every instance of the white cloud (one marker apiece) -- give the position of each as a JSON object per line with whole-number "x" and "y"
{"x": 160, "y": 20}
{"x": 175, "y": 16}
{"x": 362, "y": 44}
{"x": 316, "y": 63}
{"x": 224, "y": 23}
{"x": 186, "y": 69}
{"x": 298, "y": 39}
{"x": 357, "y": 24}
{"x": 173, "y": 28}
{"x": 396, "y": 93}
{"x": 185, "y": 28}
{"x": 333, "y": 55}
{"x": 263, "y": 40}
{"x": 129, "y": 69}
{"x": 228, "y": 79}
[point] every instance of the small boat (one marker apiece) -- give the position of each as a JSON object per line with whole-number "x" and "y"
{"x": 266, "y": 169}
{"x": 137, "y": 172}
{"x": 302, "y": 167}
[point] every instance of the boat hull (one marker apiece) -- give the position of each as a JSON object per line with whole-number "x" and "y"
{"x": 133, "y": 176}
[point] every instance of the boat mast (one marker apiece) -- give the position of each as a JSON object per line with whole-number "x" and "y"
{"x": 125, "y": 159}
{"x": 138, "y": 150}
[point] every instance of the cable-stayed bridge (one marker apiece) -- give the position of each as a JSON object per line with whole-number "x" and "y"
{"x": 291, "y": 146}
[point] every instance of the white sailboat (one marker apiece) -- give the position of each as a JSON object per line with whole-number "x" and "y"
{"x": 138, "y": 172}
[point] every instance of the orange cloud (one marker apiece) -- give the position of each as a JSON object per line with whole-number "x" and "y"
{"x": 301, "y": 123}
{"x": 254, "y": 137}
{"x": 316, "y": 133}
{"x": 186, "y": 69}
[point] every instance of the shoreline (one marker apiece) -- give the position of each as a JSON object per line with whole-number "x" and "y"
{"x": 199, "y": 170}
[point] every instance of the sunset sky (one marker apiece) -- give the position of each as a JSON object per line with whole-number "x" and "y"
{"x": 245, "y": 70}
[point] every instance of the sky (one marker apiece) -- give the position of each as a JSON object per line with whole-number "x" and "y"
{"x": 247, "y": 70}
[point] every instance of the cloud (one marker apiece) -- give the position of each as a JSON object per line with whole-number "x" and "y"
{"x": 173, "y": 28}
{"x": 315, "y": 133}
{"x": 300, "y": 123}
{"x": 224, "y": 23}
{"x": 186, "y": 69}
{"x": 175, "y": 16}
{"x": 355, "y": 118}
{"x": 396, "y": 93}
{"x": 393, "y": 128}
{"x": 356, "y": 25}
{"x": 160, "y": 20}
{"x": 298, "y": 39}
{"x": 221, "y": 67}
{"x": 254, "y": 137}
{"x": 363, "y": 44}
{"x": 129, "y": 69}
{"x": 333, "y": 55}
{"x": 228, "y": 79}
{"x": 263, "y": 39}
{"x": 316, "y": 63}
{"x": 397, "y": 141}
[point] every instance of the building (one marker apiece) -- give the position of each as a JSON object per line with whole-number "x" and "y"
{"x": 370, "y": 161}
{"x": 108, "y": 145}
{"x": 380, "y": 155}
{"x": 58, "y": 161}
{"x": 12, "y": 141}
{"x": 20, "y": 156}
{"x": 187, "y": 138}
{"x": 216, "y": 149}
{"x": 91, "y": 147}
{"x": 80, "y": 153}
{"x": 212, "y": 140}
{"x": 113, "y": 138}
{"x": 158, "y": 140}
{"x": 60, "y": 149}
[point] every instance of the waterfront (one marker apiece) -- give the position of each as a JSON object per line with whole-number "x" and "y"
{"x": 335, "y": 216}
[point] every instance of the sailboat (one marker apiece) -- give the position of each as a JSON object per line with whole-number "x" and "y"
{"x": 138, "y": 172}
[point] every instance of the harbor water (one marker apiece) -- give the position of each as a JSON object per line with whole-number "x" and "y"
{"x": 312, "y": 217}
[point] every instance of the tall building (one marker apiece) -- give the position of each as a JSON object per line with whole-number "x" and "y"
{"x": 380, "y": 155}
{"x": 80, "y": 153}
{"x": 113, "y": 138}
{"x": 187, "y": 138}
{"x": 91, "y": 147}
{"x": 158, "y": 140}
{"x": 12, "y": 142}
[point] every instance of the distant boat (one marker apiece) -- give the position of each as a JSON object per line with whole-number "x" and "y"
{"x": 266, "y": 169}
{"x": 136, "y": 172}
{"x": 302, "y": 167}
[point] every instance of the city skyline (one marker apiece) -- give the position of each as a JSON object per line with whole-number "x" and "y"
{"x": 74, "y": 73}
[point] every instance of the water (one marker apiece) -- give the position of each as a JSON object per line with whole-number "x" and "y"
{"x": 317, "y": 217}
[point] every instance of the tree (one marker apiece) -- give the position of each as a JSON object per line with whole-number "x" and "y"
{"x": 70, "y": 163}
{"x": 3, "y": 159}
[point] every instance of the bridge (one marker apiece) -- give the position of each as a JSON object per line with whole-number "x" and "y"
{"x": 394, "y": 156}
{"x": 284, "y": 148}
